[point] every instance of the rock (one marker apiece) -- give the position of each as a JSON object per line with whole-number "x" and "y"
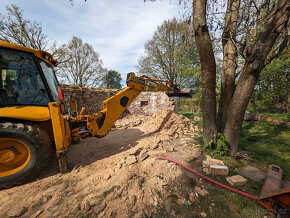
{"x": 140, "y": 194}
{"x": 210, "y": 161}
{"x": 206, "y": 170}
{"x": 132, "y": 199}
{"x": 192, "y": 197}
{"x": 219, "y": 170}
{"x": 100, "y": 207}
{"x": 201, "y": 191}
{"x": 131, "y": 175}
{"x": 171, "y": 149}
{"x": 85, "y": 206}
{"x": 154, "y": 146}
{"x": 236, "y": 180}
{"x": 107, "y": 176}
{"x": 135, "y": 151}
{"x": 119, "y": 166}
{"x": 102, "y": 214}
{"x": 252, "y": 173}
{"x": 144, "y": 157}
{"x": 172, "y": 213}
{"x": 144, "y": 151}
{"x": 131, "y": 160}
{"x": 203, "y": 214}
{"x": 37, "y": 213}
{"x": 147, "y": 210}
{"x": 17, "y": 211}
{"x": 196, "y": 118}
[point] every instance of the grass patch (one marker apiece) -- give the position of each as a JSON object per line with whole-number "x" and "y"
{"x": 279, "y": 116}
{"x": 268, "y": 143}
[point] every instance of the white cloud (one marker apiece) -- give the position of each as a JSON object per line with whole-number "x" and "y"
{"x": 117, "y": 29}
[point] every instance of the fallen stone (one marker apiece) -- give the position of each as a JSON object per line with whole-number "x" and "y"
{"x": 37, "y": 213}
{"x": 236, "y": 180}
{"x": 206, "y": 170}
{"x": 107, "y": 176}
{"x": 135, "y": 151}
{"x": 196, "y": 118}
{"x": 131, "y": 160}
{"x": 85, "y": 206}
{"x": 219, "y": 170}
{"x": 252, "y": 173}
{"x": 192, "y": 197}
{"x": 144, "y": 157}
{"x": 100, "y": 207}
{"x": 147, "y": 210}
{"x": 171, "y": 149}
{"x": 201, "y": 191}
{"x": 102, "y": 214}
{"x": 119, "y": 166}
{"x": 17, "y": 211}
{"x": 132, "y": 199}
{"x": 140, "y": 194}
{"x": 154, "y": 146}
{"x": 210, "y": 161}
{"x": 203, "y": 214}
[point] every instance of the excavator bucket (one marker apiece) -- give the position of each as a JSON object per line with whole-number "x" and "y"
{"x": 182, "y": 93}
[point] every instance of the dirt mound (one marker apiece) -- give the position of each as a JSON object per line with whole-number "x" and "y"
{"x": 116, "y": 176}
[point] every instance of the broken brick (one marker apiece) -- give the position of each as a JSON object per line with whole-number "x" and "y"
{"x": 236, "y": 180}
{"x": 219, "y": 170}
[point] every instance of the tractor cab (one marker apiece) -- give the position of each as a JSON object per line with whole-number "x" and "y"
{"x": 26, "y": 77}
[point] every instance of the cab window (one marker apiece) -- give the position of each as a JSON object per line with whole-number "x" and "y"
{"x": 20, "y": 80}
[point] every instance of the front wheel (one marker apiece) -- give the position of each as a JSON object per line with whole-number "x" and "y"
{"x": 25, "y": 150}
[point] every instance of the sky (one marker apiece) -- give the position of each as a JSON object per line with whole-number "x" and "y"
{"x": 117, "y": 29}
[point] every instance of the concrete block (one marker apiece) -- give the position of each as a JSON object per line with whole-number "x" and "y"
{"x": 219, "y": 170}
{"x": 236, "y": 180}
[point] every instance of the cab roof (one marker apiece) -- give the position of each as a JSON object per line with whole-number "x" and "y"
{"x": 47, "y": 57}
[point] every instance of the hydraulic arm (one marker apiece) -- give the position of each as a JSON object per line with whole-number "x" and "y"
{"x": 71, "y": 128}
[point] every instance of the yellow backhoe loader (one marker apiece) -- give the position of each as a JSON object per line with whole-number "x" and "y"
{"x": 33, "y": 125}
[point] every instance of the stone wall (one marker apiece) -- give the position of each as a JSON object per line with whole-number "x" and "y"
{"x": 92, "y": 99}
{"x": 149, "y": 102}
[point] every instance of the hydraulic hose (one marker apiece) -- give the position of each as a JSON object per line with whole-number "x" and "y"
{"x": 209, "y": 179}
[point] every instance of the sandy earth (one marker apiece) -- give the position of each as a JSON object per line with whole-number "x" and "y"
{"x": 115, "y": 176}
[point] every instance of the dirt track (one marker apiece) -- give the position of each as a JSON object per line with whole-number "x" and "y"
{"x": 115, "y": 176}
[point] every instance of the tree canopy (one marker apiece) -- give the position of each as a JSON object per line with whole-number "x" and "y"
{"x": 80, "y": 65}
{"x": 16, "y": 29}
{"x": 112, "y": 80}
{"x": 171, "y": 54}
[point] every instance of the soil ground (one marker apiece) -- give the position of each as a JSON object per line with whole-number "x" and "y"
{"x": 116, "y": 176}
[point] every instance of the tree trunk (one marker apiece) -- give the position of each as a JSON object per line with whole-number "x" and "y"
{"x": 257, "y": 54}
{"x": 208, "y": 69}
{"x": 230, "y": 57}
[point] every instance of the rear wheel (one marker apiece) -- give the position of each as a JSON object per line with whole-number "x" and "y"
{"x": 25, "y": 150}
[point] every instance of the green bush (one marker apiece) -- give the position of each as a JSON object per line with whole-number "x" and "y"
{"x": 218, "y": 146}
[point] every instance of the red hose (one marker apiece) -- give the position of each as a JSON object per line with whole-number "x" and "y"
{"x": 209, "y": 179}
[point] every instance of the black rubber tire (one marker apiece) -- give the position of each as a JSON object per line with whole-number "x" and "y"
{"x": 39, "y": 144}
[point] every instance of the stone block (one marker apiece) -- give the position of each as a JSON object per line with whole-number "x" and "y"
{"x": 219, "y": 170}
{"x": 236, "y": 180}
{"x": 210, "y": 161}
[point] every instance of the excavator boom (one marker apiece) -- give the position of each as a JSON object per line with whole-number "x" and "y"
{"x": 69, "y": 129}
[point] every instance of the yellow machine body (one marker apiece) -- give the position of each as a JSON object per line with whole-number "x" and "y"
{"x": 32, "y": 113}
{"x": 66, "y": 129}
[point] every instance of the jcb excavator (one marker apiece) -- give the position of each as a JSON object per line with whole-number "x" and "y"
{"x": 33, "y": 125}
